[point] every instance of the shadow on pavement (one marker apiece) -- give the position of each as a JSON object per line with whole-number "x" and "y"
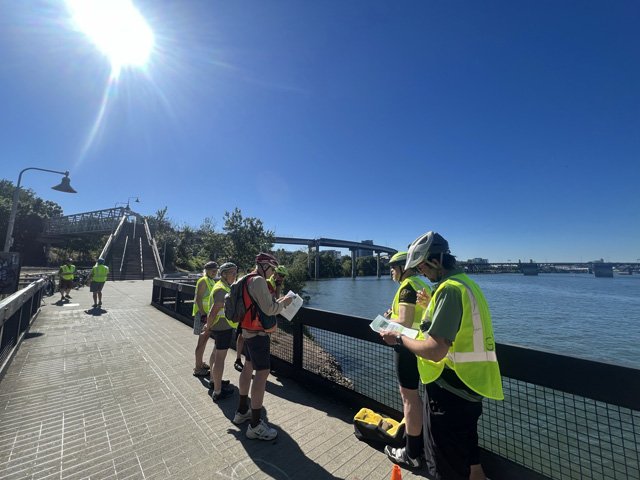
{"x": 96, "y": 312}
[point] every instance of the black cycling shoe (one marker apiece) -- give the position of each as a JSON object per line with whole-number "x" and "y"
{"x": 223, "y": 394}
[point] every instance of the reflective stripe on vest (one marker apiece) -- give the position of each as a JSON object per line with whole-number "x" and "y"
{"x": 472, "y": 355}
{"x": 67, "y": 271}
{"x": 205, "y": 299}
{"x": 417, "y": 284}
{"x": 99, "y": 273}
{"x": 220, "y": 285}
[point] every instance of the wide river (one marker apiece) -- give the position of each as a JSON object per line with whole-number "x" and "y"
{"x": 572, "y": 314}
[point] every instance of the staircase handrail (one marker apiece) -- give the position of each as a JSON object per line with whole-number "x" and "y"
{"x": 112, "y": 237}
{"x": 141, "y": 260}
{"x": 154, "y": 248}
{"x": 124, "y": 251}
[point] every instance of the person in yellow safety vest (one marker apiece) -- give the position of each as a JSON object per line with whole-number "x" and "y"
{"x": 276, "y": 281}
{"x": 201, "y": 307}
{"x": 456, "y": 360}
{"x": 97, "y": 278}
{"x": 222, "y": 330}
{"x": 67, "y": 272}
{"x": 406, "y": 310}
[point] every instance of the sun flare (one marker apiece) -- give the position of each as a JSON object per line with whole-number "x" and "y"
{"x": 116, "y": 28}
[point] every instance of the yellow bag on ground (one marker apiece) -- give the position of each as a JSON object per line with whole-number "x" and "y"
{"x": 373, "y": 427}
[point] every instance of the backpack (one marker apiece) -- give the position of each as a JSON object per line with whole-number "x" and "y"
{"x": 371, "y": 427}
{"x": 234, "y": 307}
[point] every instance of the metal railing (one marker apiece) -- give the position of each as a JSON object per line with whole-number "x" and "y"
{"x": 562, "y": 417}
{"x": 154, "y": 248}
{"x": 141, "y": 260}
{"x": 16, "y": 314}
{"x": 98, "y": 221}
{"x": 124, "y": 254}
{"x": 112, "y": 238}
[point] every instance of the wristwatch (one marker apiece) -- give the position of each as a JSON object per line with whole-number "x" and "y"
{"x": 399, "y": 340}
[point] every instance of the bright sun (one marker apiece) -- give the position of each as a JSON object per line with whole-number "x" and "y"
{"x": 116, "y": 28}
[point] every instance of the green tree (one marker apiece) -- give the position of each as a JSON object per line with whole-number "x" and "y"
{"x": 246, "y": 237}
{"x": 29, "y": 224}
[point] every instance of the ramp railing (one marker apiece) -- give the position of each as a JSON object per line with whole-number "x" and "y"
{"x": 154, "y": 248}
{"x": 112, "y": 238}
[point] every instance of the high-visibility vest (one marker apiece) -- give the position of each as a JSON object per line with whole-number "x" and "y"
{"x": 473, "y": 352}
{"x": 220, "y": 285}
{"x": 99, "y": 273}
{"x": 67, "y": 271}
{"x": 205, "y": 299}
{"x": 417, "y": 284}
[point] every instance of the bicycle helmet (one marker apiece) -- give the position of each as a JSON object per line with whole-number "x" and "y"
{"x": 266, "y": 258}
{"x": 398, "y": 259}
{"x": 227, "y": 266}
{"x": 101, "y": 261}
{"x": 210, "y": 265}
{"x": 425, "y": 245}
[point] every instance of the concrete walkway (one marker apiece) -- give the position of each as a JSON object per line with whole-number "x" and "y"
{"x": 110, "y": 395}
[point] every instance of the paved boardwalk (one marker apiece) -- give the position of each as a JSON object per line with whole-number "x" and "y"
{"x": 111, "y": 396}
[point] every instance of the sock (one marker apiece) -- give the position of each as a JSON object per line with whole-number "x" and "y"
{"x": 414, "y": 445}
{"x": 255, "y": 416}
{"x": 243, "y": 405}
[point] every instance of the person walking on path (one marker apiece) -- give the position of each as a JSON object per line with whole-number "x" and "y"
{"x": 97, "y": 278}
{"x": 406, "y": 310}
{"x": 456, "y": 360}
{"x": 258, "y": 322}
{"x": 201, "y": 307}
{"x": 222, "y": 330}
{"x": 67, "y": 273}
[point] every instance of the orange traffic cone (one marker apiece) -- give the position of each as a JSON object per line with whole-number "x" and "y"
{"x": 396, "y": 473}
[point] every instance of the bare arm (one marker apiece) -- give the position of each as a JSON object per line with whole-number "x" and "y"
{"x": 406, "y": 312}
{"x": 431, "y": 348}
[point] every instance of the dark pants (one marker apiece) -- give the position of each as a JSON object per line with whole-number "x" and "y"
{"x": 450, "y": 429}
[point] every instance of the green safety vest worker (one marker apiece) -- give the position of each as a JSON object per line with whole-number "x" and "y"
{"x": 220, "y": 285}
{"x": 473, "y": 352}
{"x": 99, "y": 273}
{"x": 417, "y": 284}
{"x": 67, "y": 271}
{"x": 205, "y": 299}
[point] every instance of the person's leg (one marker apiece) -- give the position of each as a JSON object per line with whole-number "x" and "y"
{"x": 239, "y": 348}
{"x": 95, "y": 298}
{"x": 100, "y": 294}
{"x": 221, "y": 346}
{"x": 477, "y": 473}
{"x": 412, "y": 406}
{"x": 200, "y": 347}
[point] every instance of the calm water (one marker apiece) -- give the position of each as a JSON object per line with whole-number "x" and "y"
{"x": 575, "y": 314}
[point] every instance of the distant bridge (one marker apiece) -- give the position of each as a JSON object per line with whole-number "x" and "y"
{"x": 314, "y": 245}
{"x": 599, "y": 269}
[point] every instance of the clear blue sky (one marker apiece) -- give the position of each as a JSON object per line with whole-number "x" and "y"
{"x": 512, "y": 128}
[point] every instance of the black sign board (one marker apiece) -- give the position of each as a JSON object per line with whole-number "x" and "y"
{"x": 9, "y": 272}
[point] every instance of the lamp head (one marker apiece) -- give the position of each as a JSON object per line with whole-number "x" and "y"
{"x": 65, "y": 185}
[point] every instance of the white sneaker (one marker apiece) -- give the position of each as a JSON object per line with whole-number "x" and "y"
{"x": 240, "y": 418}
{"x": 262, "y": 431}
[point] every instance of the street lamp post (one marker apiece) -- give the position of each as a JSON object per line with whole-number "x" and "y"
{"x": 63, "y": 186}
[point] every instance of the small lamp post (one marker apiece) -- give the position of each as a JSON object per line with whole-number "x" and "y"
{"x": 63, "y": 186}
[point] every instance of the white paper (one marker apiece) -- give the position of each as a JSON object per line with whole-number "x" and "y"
{"x": 380, "y": 324}
{"x": 290, "y": 310}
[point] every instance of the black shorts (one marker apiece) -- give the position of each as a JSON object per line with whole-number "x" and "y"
{"x": 96, "y": 286}
{"x": 450, "y": 428}
{"x": 257, "y": 350}
{"x": 66, "y": 284}
{"x": 222, "y": 338}
{"x": 407, "y": 368}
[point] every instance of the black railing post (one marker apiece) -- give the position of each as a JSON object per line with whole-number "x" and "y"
{"x": 298, "y": 337}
